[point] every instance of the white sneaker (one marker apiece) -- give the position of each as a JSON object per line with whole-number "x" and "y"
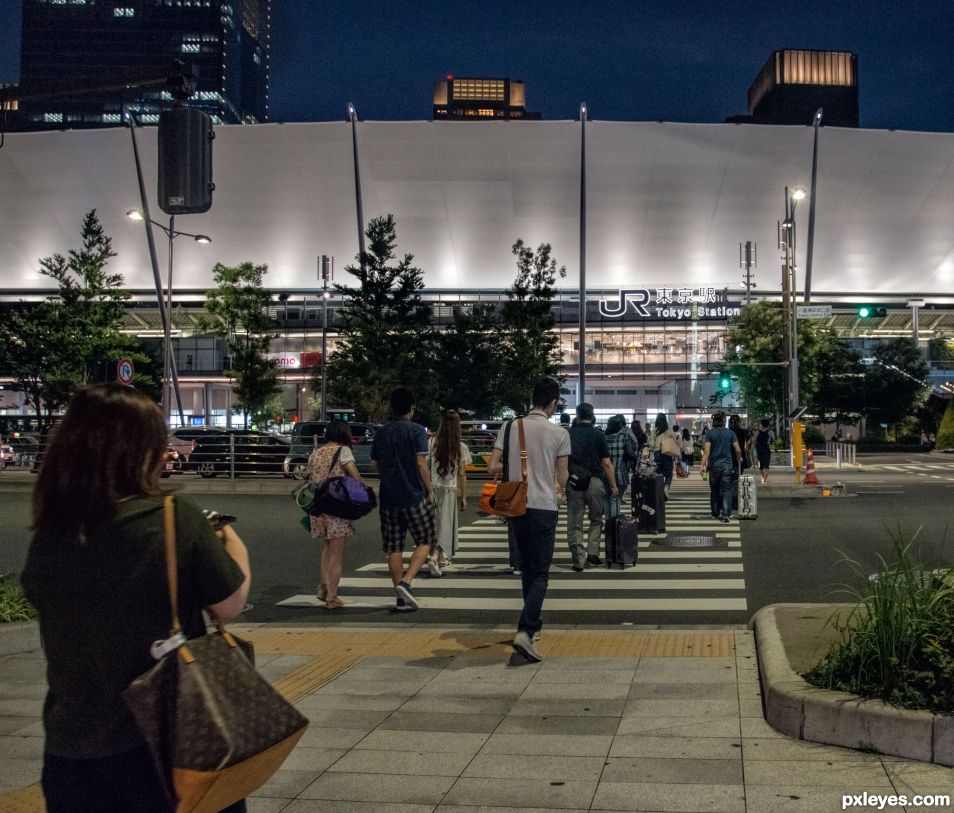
{"x": 523, "y": 645}
{"x": 435, "y": 568}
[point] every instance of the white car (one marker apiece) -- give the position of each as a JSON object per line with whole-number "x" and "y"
{"x": 7, "y": 455}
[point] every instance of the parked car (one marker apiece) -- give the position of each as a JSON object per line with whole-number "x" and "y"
{"x": 172, "y": 463}
{"x": 183, "y": 439}
{"x": 25, "y": 449}
{"x": 306, "y": 435}
{"x": 7, "y": 455}
{"x": 254, "y": 453}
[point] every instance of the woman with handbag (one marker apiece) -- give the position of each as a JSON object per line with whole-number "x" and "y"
{"x": 448, "y": 458}
{"x": 665, "y": 448}
{"x": 688, "y": 449}
{"x": 96, "y": 572}
{"x": 333, "y": 459}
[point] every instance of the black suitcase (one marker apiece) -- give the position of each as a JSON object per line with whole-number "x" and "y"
{"x": 621, "y": 541}
{"x": 652, "y": 506}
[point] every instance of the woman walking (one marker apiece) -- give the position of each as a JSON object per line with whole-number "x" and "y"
{"x": 622, "y": 453}
{"x": 688, "y": 450}
{"x": 448, "y": 458}
{"x": 665, "y": 447}
{"x": 96, "y": 573}
{"x": 333, "y": 459}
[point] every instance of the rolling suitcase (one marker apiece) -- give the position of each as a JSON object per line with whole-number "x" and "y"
{"x": 652, "y": 508}
{"x": 621, "y": 541}
{"x": 748, "y": 497}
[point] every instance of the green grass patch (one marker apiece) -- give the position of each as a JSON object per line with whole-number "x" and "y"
{"x": 13, "y": 604}
{"x": 897, "y": 645}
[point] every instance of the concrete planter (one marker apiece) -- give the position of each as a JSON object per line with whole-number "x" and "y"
{"x": 793, "y": 707}
{"x": 18, "y": 637}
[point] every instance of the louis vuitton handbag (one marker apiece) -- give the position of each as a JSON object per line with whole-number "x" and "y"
{"x": 508, "y": 498}
{"x": 216, "y": 729}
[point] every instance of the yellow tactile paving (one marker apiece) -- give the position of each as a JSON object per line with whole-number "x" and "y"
{"x": 332, "y": 651}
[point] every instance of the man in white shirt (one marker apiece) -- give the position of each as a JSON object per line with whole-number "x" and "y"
{"x": 548, "y": 449}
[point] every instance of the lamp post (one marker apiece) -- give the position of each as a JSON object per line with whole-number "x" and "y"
{"x": 168, "y": 386}
{"x": 787, "y": 242}
{"x": 582, "y": 325}
{"x": 326, "y": 270}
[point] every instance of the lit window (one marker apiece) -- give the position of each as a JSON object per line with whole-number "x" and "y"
{"x": 124, "y": 12}
{"x": 112, "y": 118}
{"x": 53, "y": 118}
{"x": 191, "y": 47}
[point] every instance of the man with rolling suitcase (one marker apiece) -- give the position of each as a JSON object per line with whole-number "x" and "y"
{"x": 717, "y": 451}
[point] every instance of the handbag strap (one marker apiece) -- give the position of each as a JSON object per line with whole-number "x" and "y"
{"x": 334, "y": 460}
{"x": 506, "y": 452}
{"x": 172, "y": 574}
{"x": 523, "y": 450}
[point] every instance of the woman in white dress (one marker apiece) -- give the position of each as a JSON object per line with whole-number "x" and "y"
{"x": 448, "y": 457}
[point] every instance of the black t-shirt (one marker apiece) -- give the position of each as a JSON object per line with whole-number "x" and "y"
{"x": 101, "y": 606}
{"x": 762, "y": 441}
{"x": 588, "y": 447}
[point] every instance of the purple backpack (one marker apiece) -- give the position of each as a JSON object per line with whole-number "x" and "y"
{"x": 343, "y": 497}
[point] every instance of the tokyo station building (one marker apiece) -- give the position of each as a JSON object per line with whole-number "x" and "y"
{"x": 654, "y": 212}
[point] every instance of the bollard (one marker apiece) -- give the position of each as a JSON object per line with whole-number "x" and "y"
{"x": 837, "y": 455}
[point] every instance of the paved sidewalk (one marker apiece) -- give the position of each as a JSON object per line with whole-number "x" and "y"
{"x": 422, "y": 719}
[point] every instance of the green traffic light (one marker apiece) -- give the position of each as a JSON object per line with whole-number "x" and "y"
{"x": 864, "y": 312}
{"x": 725, "y": 383}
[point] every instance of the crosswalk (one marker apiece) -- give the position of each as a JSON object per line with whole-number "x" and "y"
{"x": 663, "y": 579}
{"x": 917, "y": 468}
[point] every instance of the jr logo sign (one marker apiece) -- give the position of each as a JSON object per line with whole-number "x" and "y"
{"x": 637, "y": 297}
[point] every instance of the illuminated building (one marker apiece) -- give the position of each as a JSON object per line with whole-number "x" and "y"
{"x": 467, "y": 99}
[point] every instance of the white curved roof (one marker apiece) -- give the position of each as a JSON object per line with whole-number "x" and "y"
{"x": 667, "y": 204}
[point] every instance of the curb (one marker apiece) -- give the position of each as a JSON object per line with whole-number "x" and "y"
{"x": 804, "y": 712}
{"x": 18, "y": 637}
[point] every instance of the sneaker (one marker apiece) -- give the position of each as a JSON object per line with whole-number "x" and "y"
{"x": 594, "y": 561}
{"x": 404, "y": 591}
{"x": 723, "y": 519}
{"x": 536, "y": 637}
{"x": 524, "y": 645}
{"x": 434, "y": 567}
{"x": 516, "y": 571}
{"x": 401, "y": 606}
{"x": 578, "y": 568}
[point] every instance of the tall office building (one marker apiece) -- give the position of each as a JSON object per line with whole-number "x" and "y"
{"x": 792, "y": 85}
{"x": 79, "y": 44}
{"x": 468, "y": 99}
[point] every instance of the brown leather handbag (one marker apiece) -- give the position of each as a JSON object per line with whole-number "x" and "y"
{"x": 508, "y": 498}
{"x": 216, "y": 729}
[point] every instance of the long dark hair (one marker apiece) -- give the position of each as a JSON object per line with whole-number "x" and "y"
{"x": 662, "y": 425}
{"x": 447, "y": 443}
{"x": 109, "y": 446}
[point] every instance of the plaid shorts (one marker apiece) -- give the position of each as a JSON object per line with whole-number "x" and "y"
{"x": 420, "y": 520}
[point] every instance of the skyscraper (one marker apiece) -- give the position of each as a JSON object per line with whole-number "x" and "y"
{"x": 79, "y": 44}
{"x": 793, "y": 84}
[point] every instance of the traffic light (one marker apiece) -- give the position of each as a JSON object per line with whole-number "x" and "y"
{"x": 725, "y": 383}
{"x": 871, "y": 312}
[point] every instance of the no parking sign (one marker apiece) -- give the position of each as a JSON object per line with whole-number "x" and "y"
{"x": 125, "y": 370}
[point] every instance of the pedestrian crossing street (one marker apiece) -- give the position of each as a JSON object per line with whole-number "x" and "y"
{"x": 663, "y": 579}
{"x": 918, "y": 468}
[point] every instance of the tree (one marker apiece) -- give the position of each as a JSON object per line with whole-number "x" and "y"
{"x": 754, "y": 341}
{"x": 945, "y": 434}
{"x": 894, "y": 385}
{"x": 238, "y": 309}
{"x": 385, "y": 331}
{"x": 839, "y": 374}
{"x": 56, "y": 345}
{"x": 468, "y": 364}
{"x": 529, "y": 346}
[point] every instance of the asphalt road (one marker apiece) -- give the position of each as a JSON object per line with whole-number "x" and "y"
{"x": 795, "y": 551}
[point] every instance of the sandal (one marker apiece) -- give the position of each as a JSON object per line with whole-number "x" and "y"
{"x": 322, "y": 593}
{"x": 334, "y": 603}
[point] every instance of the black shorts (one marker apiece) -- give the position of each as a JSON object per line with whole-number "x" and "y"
{"x": 764, "y": 459}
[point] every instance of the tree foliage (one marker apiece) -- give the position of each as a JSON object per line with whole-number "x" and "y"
{"x": 468, "y": 363}
{"x": 56, "y": 345}
{"x": 237, "y": 308}
{"x": 838, "y": 380}
{"x": 385, "y": 331}
{"x": 945, "y": 433}
{"x": 753, "y": 340}
{"x": 894, "y": 385}
{"x": 529, "y": 347}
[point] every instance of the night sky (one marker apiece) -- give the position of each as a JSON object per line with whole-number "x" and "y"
{"x": 641, "y": 60}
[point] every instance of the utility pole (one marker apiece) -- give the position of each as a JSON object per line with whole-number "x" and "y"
{"x": 747, "y": 260}
{"x": 326, "y": 273}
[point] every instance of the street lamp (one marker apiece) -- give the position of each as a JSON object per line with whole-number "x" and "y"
{"x": 172, "y": 234}
{"x": 787, "y": 244}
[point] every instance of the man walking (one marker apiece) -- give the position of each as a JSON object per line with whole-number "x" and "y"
{"x": 399, "y": 453}
{"x": 589, "y": 454}
{"x": 717, "y": 457}
{"x": 547, "y": 447}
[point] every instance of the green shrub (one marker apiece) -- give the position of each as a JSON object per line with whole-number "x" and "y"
{"x": 945, "y": 434}
{"x": 898, "y": 644}
{"x": 812, "y": 436}
{"x": 13, "y": 604}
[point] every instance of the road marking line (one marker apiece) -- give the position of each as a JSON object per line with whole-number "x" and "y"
{"x": 672, "y": 604}
{"x": 577, "y": 584}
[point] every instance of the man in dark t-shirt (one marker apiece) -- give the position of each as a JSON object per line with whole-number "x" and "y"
{"x": 589, "y": 452}
{"x": 717, "y": 451}
{"x": 399, "y": 453}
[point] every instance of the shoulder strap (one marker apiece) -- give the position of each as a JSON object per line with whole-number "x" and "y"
{"x": 172, "y": 576}
{"x": 523, "y": 451}
{"x": 334, "y": 460}
{"x": 506, "y": 451}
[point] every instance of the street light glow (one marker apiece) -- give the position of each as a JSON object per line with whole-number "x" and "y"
{"x": 203, "y": 238}
{"x": 799, "y": 193}
{"x": 134, "y": 214}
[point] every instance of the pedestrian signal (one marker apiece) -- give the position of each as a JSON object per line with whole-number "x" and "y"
{"x": 725, "y": 383}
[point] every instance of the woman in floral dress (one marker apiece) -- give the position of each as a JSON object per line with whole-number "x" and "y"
{"x": 334, "y": 459}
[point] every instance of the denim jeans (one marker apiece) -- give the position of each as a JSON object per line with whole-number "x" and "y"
{"x": 720, "y": 489}
{"x": 535, "y": 533}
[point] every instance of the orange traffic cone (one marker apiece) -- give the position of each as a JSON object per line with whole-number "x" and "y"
{"x": 810, "y": 478}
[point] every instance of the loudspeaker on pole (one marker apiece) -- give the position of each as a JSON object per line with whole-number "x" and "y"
{"x": 185, "y": 161}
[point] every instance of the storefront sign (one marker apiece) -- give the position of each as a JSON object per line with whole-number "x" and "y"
{"x": 671, "y": 303}
{"x": 286, "y": 361}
